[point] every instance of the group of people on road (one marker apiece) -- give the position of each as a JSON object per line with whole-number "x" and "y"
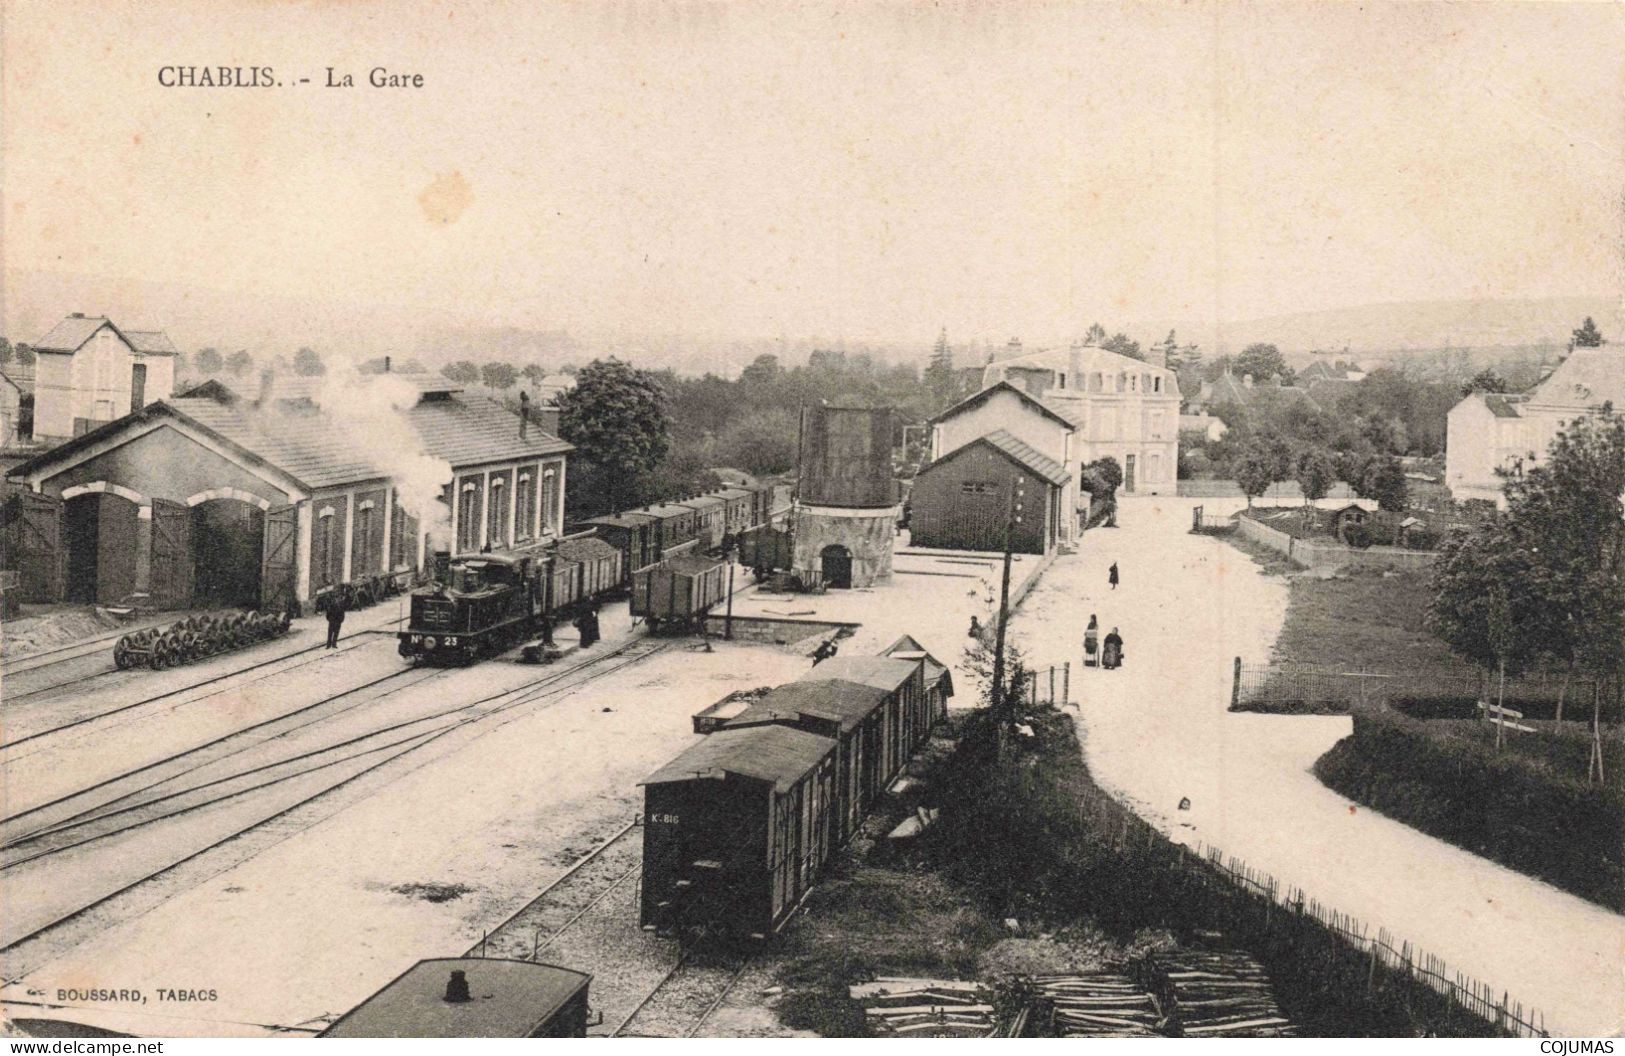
{"x": 1107, "y": 652}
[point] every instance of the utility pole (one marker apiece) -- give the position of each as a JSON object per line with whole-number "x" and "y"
{"x": 1012, "y": 518}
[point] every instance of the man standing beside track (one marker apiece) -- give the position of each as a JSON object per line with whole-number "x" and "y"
{"x": 337, "y": 605}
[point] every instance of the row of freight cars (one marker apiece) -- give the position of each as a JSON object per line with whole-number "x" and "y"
{"x": 738, "y": 828}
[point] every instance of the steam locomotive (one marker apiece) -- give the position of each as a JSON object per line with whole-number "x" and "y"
{"x": 485, "y": 603}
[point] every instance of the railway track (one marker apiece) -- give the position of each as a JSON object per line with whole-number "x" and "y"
{"x": 685, "y": 998}
{"x": 370, "y": 758}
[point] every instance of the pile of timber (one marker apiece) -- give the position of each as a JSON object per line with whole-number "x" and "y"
{"x": 1218, "y": 994}
{"x": 926, "y": 1008}
{"x": 1097, "y": 1005}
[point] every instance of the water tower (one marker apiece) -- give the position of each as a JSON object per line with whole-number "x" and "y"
{"x": 846, "y": 496}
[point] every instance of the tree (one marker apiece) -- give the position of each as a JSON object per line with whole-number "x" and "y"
{"x": 1383, "y": 479}
{"x": 533, "y": 373}
{"x": 616, "y": 417}
{"x": 499, "y": 375}
{"x": 24, "y": 353}
{"x": 761, "y": 442}
{"x": 1315, "y": 475}
{"x": 240, "y": 362}
{"x": 1101, "y": 479}
{"x": 208, "y": 361}
{"x": 1094, "y": 335}
{"x": 939, "y": 375}
{"x": 1470, "y": 602}
{"x": 1588, "y": 336}
{"x": 462, "y": 371}
{"x": 5, "y": 351}
{"x": 1262, "y": 361}
{"x": 1486, "y": 380}
{"x": 1264, "y": 461}
{"x": 762, "y": 371}
{"x": 1123, "y": 345}
{"x": 306, "y": 363}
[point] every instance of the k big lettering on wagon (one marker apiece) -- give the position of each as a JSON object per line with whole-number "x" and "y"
{"x": 265, "y": 77}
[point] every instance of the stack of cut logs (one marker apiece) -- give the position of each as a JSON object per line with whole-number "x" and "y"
{"x": 926, "y": 1008}
{"x": 1218, "y": 994}
{"x": 1098, "y": 1005}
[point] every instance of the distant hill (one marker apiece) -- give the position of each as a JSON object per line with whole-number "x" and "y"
{"x": 1376, "y": 328}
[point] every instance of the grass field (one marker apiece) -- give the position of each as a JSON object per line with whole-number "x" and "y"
{"x": 1364, "y": 619}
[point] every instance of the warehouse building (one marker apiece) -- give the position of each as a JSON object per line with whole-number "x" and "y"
{"x": 965, "y": 499}
{"x": 212, "y": 498}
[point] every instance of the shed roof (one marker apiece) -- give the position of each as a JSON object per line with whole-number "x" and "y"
{"x": 308, "y": 446}
{"x": 833, "y": 699}
{"x": 510, "y": 999}
{"x": 977, "y": 399}
{"x": 776, "y": 754}
{"x": 1018, "y": 451}
{"x": 151, "y": 342}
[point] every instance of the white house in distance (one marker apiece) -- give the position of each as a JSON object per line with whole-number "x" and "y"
{"x": 1488, "y": 431}
{"x": 1119, "y": 406}
{"x": 88, "y": 372}
{"x": 1003, "y": 407}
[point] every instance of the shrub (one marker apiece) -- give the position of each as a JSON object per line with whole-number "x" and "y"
{"x": 1422, "y": 539}
{"x": 1498, "y": 805}
{"x": 1381, "y": 534}
{"x": 1357, "y": 536}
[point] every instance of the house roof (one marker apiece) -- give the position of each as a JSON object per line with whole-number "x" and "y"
{"x": 882, "y": 672}
{"x": 468, "y": 432}
{"x": 1023, "y": 454}
{"x": 833, "y": 699}
{"x": 151, "y": 342}
{"x": 776, "y": 754}
{"x": 509, "y": 999}
{"x": 72, "y": 332}
{"x": 1589, "y": 377}
{"x": 972, "y": 402}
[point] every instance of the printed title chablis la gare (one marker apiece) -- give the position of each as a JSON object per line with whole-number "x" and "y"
{"x": 266, "y": 77}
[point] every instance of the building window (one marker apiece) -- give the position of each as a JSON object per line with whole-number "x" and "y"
{"x": 1062, "y": 380}
{"x": 1156, "y": 384}
{"x": 550, "y": 500}
{"x": 362, "y": 559}
{"x": 468, "y": 517}
{"x": 524, "y": 509}
{"x": 327, "y": 547}
{"x": 1156, "y": 425}
{"x": 498, "y": 509}
{"x": 976, "y": 487}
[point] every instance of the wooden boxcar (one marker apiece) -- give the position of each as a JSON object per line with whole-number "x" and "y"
{"x": 634, "y": 534}
{"x": 736, "y": 830}
{"x": 739, "y": 504}
{"x": 679, "y": 590}
{"x": 939, "y": 681}
{"x": 710, "y": 520}
{"x": 675, "y": 526}
{"x": 472, "y": 997}
{"x": 766, "y": 548}
{"x": 906, "y": 723}
{"x": 850, "y": 714}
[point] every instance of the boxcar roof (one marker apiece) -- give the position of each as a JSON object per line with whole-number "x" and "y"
{"x": 510, "y": 999}
{"x": 667, "y": 509}
{"x": 585, "y": 549}
{"x": 847, "y": 703}
{"x": 777, "y": 754}
{"x": 630, "y": 519}
{"x": 906, "y": 648}
{"x": 884, "y": 672}
{"x": 735, "y": 493}
{"x": 701, "y": 500}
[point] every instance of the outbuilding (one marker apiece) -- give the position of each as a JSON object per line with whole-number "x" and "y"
{"x": 965, "y": 499}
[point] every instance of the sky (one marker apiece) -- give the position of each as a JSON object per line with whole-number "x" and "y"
{"x": 869, "y": 170}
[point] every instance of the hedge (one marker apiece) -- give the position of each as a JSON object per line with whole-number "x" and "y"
{"x": 1497, "y": 805}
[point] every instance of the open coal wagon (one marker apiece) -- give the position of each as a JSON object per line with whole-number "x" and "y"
{"x": 677, "y": 593}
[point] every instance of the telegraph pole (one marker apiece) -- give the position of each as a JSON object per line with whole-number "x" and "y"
{"x": 1012, "y": 518}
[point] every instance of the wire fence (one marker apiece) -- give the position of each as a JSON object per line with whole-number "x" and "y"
{"x": 1426, "y": 693}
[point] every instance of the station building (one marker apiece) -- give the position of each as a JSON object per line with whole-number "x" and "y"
{"x": 213, "y": 498}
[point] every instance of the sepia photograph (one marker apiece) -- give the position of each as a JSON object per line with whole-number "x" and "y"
{"x": 887, "y": 519}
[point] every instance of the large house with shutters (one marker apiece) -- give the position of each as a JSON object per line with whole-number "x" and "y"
{"x": 216, "y": 498}
{"x": 88, "y": 372}
{"x": 1119, "y": 407}
{"x": 1489, "y": 434}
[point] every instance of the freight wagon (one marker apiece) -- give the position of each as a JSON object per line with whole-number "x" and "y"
{"x": 738, "y": 827}
{"x": 766, "y": 549}
{"x": 736, "y": 830}
{"x": 635, "y": 535}
{"x": 710, "y": 520}
{"x": 679, "y": 591}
